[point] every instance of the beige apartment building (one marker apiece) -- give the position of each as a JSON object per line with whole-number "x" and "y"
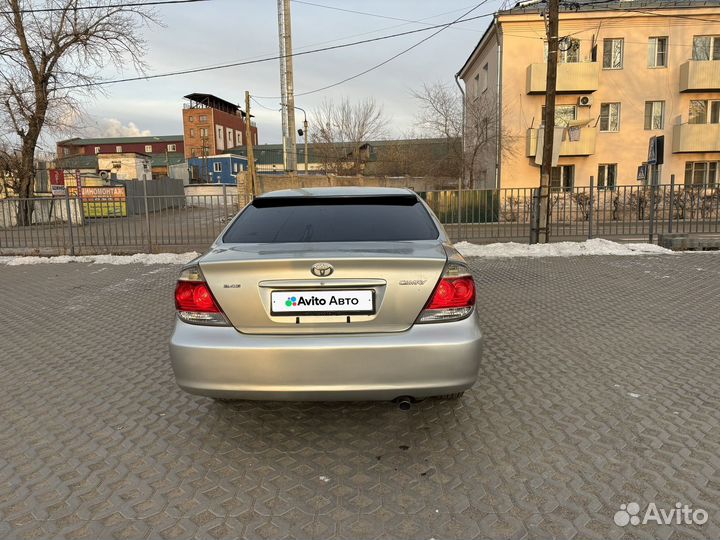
{"x": 628, "y": 71}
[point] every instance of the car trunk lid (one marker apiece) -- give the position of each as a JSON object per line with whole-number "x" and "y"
{"x": 394, "y": 278}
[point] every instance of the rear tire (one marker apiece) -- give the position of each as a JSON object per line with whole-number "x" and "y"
{"x": 455, "y": 396}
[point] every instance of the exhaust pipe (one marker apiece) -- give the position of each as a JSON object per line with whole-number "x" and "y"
{"x": 404, "y": 403}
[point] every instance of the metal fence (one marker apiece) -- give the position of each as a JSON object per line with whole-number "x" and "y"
{"x": 633, "y": 212}
{"x": 71, "y": 225}
{"x": 77, "y": 225}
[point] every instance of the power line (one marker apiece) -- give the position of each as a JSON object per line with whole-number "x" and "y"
{"x": 367, "y": 14}
{"x": 108, "y": 6}
{"x": 393, "y": 57}
{"x": 276, "y": 57}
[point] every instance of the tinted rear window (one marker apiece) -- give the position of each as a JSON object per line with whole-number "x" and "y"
{"x": 332, "y": 219}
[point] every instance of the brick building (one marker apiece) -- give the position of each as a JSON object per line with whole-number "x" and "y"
{"x": 164, "y": 150}
{"x": 212, "y": 125}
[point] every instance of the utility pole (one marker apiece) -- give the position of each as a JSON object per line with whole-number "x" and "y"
{"x": 287, "y": 91}
{"x": 541, "y": 232}
{"x": 249, "y": 146}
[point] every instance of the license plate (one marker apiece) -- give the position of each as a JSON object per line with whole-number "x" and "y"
{"x": 322, "y": 302}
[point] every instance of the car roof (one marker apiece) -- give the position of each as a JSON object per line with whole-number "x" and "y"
{"x": 337, "y": 192}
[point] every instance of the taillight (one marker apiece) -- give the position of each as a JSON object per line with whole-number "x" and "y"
{"x": 194, "y": 301}
{"x": 453, "y": 298}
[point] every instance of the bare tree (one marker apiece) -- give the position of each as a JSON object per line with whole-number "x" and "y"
{"x": 342, "y": 132}
{"x": 51, "y": 52}
{"x": 441, "y": 115}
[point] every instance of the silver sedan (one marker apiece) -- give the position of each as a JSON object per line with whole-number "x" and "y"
{"x": 328, "y": 294}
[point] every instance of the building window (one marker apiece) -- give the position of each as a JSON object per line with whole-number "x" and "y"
{"x": 229, "y": 133}
{"x": 238, "y": 137}
{"x": 172, "y": 147}
{"x": 235, "y": 167}
{"x": 612, "y": 53}
{"x": 657, "y": 52}
{"x": 706, "y": 48}
{"x": 699, "y": 109}
{"x": 609, "y": 117}
{"x": 701, "y": 173}
{"x": 97, "y": 149}
{"x": 563, "y": 114}
{"x": 484, "y": 78}
{"x": 654, "y": 114}
{"x": 476, "y": 85}
{"x": 118, "y": 149}
{"x": 193, "y": 152}
{"x": 148, "y": 147}
{"x": 203, "y": 118}
{"x": 192, "y": 132}
{"x": 217, "y": 167}
{"x": 562, "y": 178}
{"x": 191, "y": 118}
{"x": 568, "y": 50}
{"x": 607, "y": 176}
{"x": 203, "y": 132}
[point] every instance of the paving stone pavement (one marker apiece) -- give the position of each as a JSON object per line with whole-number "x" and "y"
{"x": 599, "y": 386}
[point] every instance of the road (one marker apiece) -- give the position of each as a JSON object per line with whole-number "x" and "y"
{"x": 599, "y": 387}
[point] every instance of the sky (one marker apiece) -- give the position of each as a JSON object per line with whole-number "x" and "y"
{"x": 220, "y": 31}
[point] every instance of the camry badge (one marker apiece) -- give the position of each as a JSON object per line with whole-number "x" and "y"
{"x": 322, "y": 269}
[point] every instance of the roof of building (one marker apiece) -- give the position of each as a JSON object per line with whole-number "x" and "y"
{"x": 215, "y": 102}
{"x": 79, "y": 141}
{"x": 611, "y": 5}
{"x": 236, "y": 155}
{"x": 272, "y": 154}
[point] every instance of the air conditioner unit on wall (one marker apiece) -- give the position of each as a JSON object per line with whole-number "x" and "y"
{"x": 585, "y": 101}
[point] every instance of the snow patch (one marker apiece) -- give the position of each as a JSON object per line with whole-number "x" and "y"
{"x": 138, "y": 258}
{"x": 596, "y": 246}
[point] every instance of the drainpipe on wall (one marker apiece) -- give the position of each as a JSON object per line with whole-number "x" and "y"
{"x": 462, "y": 150}
{"x": 498, "y": 155}
{"x": 462, "y": 132}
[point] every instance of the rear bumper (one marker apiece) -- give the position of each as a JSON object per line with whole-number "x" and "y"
{"x": 426, "y": 360}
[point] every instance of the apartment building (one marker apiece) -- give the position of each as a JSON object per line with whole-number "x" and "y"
{"x": 628, "y": 71}
{"x": 212, "y": 125}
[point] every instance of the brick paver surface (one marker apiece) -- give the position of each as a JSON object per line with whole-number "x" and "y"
{"x": 599, "y": 386}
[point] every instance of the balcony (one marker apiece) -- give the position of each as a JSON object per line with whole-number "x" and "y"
{"x": 584, "y": 146}
{"x": 700, "y": 76}
{"x": 573, "y": 78}
{"x": 696, "y": 138}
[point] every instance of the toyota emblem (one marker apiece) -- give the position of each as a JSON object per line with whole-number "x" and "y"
{"x": 322, "y": 269}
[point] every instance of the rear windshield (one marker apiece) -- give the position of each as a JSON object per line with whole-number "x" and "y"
{"x": 332, "y": 219}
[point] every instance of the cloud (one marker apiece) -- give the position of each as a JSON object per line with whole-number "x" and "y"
{"x": 112, "y": 127}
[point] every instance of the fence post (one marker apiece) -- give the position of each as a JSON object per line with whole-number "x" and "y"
{"x": 147, "y": 214}
{"x": 592, "y": 204}
{"x": 69, "y": 220}
{"x": 534, "y": 231}
{"x": 672, "y": 204}
{"x": 459, "y": 210}
{"x": 224, "y": 186}
{"x": 651, "y": 231}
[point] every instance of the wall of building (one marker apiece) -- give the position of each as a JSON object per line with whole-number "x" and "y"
{"x": 204, "y": 169}
{"x": 70, "y": 149}
{"x": 126, "y": 166}
{"x": 481, "y": 92}
{"x": 224, "y": 130}
{"x": 631, "y": 86}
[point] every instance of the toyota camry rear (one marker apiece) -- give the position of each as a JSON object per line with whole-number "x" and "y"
{"x": 326, "y": 294}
